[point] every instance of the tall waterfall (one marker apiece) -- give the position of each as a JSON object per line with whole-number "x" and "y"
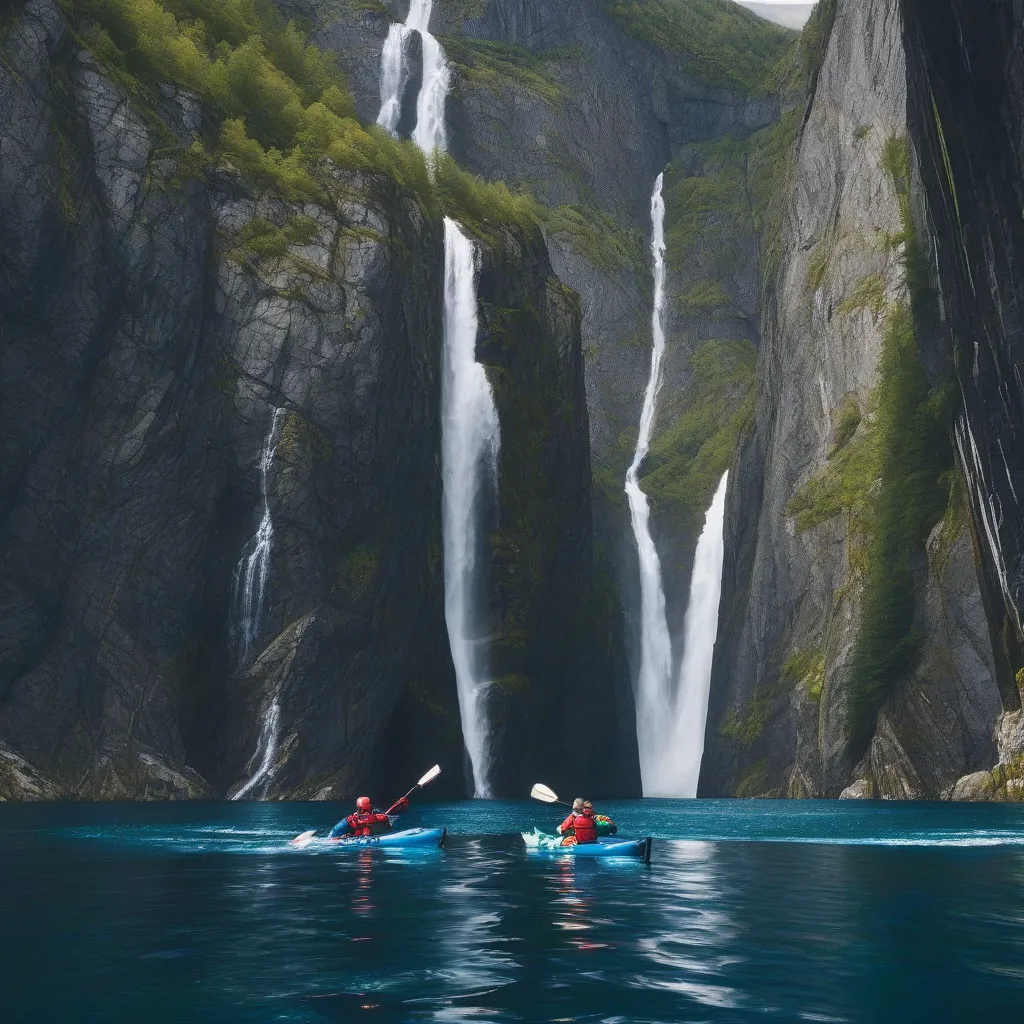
{"x": 471, "y": 434}
{"x": 429, "y": 133}
{"x": 471, "y": 438}
{"x": 251, "y": 574}
{"x": 671, "y": 713}
{"x": 678, "y": 769}
{"x": 654, "y": 682}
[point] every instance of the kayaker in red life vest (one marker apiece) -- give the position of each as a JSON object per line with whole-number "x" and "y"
{"x": 580, "y": 826}
{"x": 366, "y": 821}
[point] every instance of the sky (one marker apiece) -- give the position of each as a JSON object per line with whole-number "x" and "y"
{"x": 785, "y": 12}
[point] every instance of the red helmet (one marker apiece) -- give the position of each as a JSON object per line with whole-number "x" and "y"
{"x": 363, "y": 804}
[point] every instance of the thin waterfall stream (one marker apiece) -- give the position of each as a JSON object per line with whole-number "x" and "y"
{"x": 654, "y": 681}
{"x": 247, "y": 608}
{"x": 671, "y": 711}
{"x": 251, "y": 574}
{"x": 471, "y": 433}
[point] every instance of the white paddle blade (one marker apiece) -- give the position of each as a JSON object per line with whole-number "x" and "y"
{"x": 303, "y": 840}
{"x": 430, "y": 776}
{"x": 544, "y": 793}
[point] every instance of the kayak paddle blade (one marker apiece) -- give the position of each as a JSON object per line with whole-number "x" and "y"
{"x": 303, "y": 840}
{"x": 430, "y": 776}
{"x": 545, "y": 794}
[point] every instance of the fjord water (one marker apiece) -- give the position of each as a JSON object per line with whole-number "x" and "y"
{"x": 750, "y": 911}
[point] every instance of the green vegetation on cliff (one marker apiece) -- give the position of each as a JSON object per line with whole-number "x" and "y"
{"x": 495, "y": 66}
{"x": 592, "y": 234}
{"x": 276, "y": 109}
{"x": 718, "y": 40}
{"x": 887, "y": 472}
{"x": 275, "y": 104}
{"x": 687, "y": 461}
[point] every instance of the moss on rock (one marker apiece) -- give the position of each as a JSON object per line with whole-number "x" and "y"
{"x": 687, "y": 461}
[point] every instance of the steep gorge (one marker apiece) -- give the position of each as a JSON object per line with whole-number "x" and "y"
{"x": 844, "y": 236}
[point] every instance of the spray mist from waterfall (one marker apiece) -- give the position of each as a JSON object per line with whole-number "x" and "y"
{"x": 653, "y": 684}
{"x": 471, "y": 438}
{"x": 677, "y": 769}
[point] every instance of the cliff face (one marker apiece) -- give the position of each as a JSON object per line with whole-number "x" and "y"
{"x": 206, "y": 382}
{"x": 556, "y": 649}
{"x": 966, "y": 117}
{"x": 854, "y": 648}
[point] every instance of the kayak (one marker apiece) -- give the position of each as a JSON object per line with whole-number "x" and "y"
{"x": 409, "y": 837}
{"x": 538, "y": 842}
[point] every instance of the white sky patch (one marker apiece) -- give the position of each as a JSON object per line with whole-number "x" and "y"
{"x": 782, "y": 12}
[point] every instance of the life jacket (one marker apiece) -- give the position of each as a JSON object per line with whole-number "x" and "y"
{"x": 362, "y": 823}
{"x": 584, "y": 828}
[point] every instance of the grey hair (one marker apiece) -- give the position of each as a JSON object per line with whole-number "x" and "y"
{"x": 577, "y": 804}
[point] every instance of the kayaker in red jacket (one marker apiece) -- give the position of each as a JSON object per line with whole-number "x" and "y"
{"x": 580, "y": 825}
{"x": 366, "y": 821}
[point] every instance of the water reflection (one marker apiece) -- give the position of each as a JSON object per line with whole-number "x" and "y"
{"x": 476, "y": 962}
{"x": 693, "y": 945}
{"x": 210, "y": 917}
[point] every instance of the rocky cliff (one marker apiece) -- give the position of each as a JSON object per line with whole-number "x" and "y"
{"x": 966, "y": 118}
{"x": 855, "y": 655}
{"x": 220, "y": 540}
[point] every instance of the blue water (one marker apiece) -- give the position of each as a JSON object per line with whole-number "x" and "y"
{"x": 750, "y": 911}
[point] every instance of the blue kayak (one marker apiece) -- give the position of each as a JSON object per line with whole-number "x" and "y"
{"x": 538, "y": 842}
{"x": 406, "y": 838}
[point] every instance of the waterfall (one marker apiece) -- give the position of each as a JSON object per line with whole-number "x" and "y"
{"x": 470, "y": 432}
{"x": 247, "y": 607}
{"x": 678, "y": 768}
{"x": 653, "y": 684}
{"x": 670, "y": 714}
{"x": 268, "y": 746}
{"x": 251, "y": 574}
{"x": 429, "y": 133}
{"x": 394, "y": 76}
{"x": 471, "y": 437}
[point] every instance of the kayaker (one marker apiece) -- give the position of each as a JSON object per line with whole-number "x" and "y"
{"x": 365, "y": 821}
{"x": 580, "y": 826}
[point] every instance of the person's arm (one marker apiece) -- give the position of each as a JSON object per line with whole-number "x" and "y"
{"x": 565, "y": 826}
{"x": 340, "y": 829}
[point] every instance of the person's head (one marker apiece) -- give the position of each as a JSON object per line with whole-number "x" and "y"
{"x": 363, "y": 804}
{"x": 577, "y": 805}
{"x": 588, "y": 807}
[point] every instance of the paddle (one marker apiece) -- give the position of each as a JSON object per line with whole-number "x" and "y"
{"x": 429, "y": 777}
{"x": 305, "y": 838}
{"x": 546, "y": 795}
